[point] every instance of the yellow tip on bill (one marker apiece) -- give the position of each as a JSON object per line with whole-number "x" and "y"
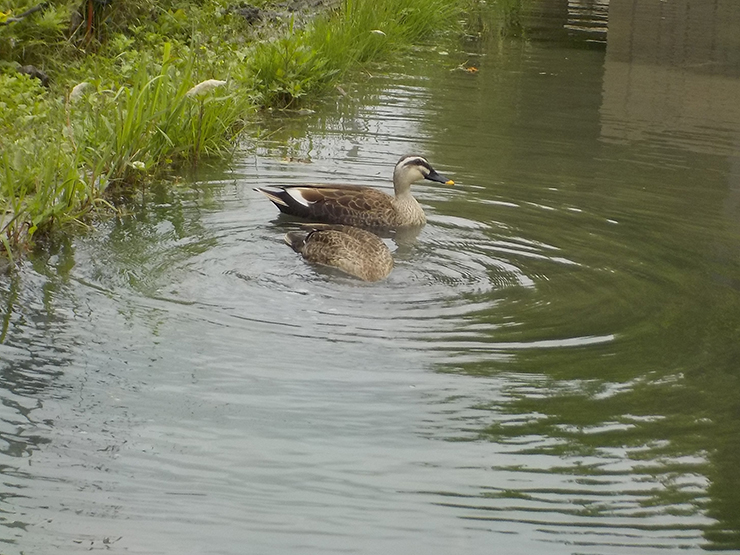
{"x": 449, "y": 182}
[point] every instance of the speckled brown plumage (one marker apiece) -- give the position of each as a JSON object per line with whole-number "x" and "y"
{"x": 339, "y": 204}
{"x": 353, "y": 250}
{"x": 359, "y": 206}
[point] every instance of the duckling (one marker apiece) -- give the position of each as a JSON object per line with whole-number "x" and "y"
{"x": 360, "y": 206}
{"x": 355, "y": 251}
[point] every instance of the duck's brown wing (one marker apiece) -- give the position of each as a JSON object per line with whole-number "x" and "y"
{"x": 336, "y": 204}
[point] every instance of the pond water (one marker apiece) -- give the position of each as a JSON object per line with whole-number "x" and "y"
{"x": 552, "y": 366}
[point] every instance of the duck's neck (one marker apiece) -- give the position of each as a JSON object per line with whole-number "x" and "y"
{"x": 409, "y": 211}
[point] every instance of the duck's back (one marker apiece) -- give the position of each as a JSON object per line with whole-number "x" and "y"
{"x": 350, "y": 249}
{"x": 336, "y": 204}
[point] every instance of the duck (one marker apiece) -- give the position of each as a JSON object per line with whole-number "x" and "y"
{"x": 352, "y": 250}
{"x": 357, "y": 205}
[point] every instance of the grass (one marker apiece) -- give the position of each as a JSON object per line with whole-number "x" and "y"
{"x": 152, "y": 122}
{"x": 38, "y": 175}
{"x": 141, "y": 87}
{"x": 57, "y": 164}
{"x": 311, "y": 60}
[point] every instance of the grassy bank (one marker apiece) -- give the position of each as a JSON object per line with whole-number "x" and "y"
{"x": 118, "y": 93}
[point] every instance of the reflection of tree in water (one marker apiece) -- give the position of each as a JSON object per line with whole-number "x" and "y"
{"x": 140, "y": 249}
{"x": 34, "y": 321}
{"x": 42, "y": 305}
{"x": 664, "y": 394}
{"x": 33, "y": 356}
{"x": 663, "y": 397}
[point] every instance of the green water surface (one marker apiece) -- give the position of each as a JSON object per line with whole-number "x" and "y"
{"x": 552, "y": 367}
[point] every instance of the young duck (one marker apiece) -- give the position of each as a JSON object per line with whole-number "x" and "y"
{"x": 353, "y": 250}
{"x": 360, "y": 206}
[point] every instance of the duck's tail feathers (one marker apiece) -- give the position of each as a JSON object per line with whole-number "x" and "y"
{"x": 288, "y": 199}
{"x": 273, "y": 195}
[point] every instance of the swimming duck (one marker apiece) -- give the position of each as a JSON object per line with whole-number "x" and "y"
{"x": 357, "y": 205}
{"x": 355, "y": 251}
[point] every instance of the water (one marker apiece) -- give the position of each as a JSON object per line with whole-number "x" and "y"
{"x": 552, "y": 366}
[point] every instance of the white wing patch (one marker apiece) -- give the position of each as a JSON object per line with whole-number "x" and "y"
{"x": 298, "y": 197}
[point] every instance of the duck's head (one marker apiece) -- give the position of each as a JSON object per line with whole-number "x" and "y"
{"x": 412, "y": 168}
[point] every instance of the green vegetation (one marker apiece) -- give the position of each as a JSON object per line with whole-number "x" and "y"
{"x": 127, "y": 90}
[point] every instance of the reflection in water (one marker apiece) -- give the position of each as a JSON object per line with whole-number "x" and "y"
{"x": 551, "y": 365}
{"x": 34, "y": 348}
{"x": 671, "y": 77}
{"x": 651, "y": 414}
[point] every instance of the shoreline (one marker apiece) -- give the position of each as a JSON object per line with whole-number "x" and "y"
{"x": 125, "y": 94}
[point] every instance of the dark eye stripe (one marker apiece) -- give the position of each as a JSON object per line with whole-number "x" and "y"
{"x": 417, "y": 161}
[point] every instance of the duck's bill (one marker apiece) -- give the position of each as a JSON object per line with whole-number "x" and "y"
{"x": 439, "y": 178}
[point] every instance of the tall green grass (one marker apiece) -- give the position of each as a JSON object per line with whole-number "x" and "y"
{"x": 39, "y": 183}
{"x": 308, "y": 61}
{"x": 131, "y": 131}
{"x": 60, "y": 155}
